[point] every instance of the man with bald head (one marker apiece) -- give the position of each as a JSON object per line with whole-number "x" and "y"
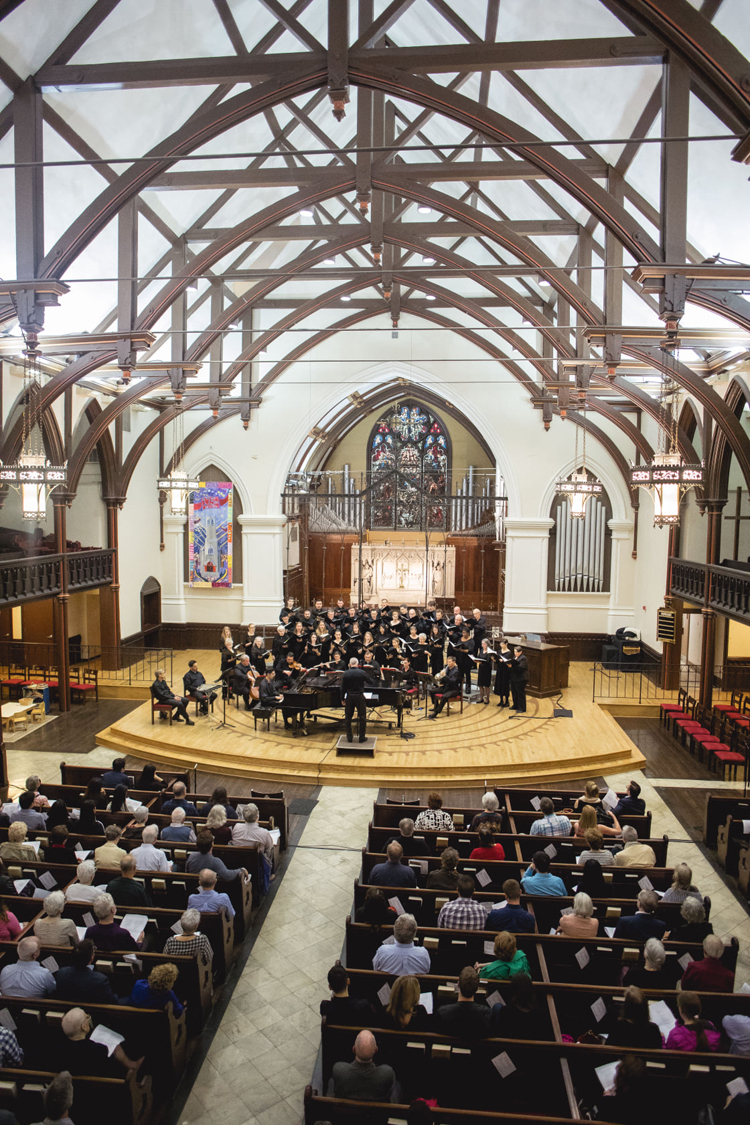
{"x": 361, "y": 1080}
{"x": 27, "y": 977}
{"x": 394, "y": 873}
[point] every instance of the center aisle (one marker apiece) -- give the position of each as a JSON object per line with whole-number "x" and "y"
{"x": 263, "y": 1054}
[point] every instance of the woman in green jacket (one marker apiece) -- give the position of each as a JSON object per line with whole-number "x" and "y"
{"x": 509, "y": 959}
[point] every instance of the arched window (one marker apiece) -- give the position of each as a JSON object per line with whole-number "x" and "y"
{"x": 580, "y": 550}
{"x": 409, "y": 461}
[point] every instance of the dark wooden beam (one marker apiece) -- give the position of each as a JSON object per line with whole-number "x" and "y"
{"x": 307, "y": 231}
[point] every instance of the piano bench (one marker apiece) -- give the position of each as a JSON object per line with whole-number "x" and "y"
{"x": 264, "y": 714}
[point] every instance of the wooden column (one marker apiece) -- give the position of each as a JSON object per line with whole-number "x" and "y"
{"x": 714, "y": 509}
{"x": 109, "y": 596}
{"x": 61, "y": 605}
{"x": 672, "y": 653}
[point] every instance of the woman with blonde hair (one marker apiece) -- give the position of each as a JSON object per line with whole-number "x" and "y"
{"x": 509, "y": 959}
{"x": 156, "y": 992}
{"x": 404, "y": 1009}
{"x": 581, "y": 923}
{"x": 589, "y": 819}
{"x": 15, "y": 846}
{"x": 216, "y": 823}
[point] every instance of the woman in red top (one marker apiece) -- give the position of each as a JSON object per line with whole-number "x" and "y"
{"x": 487, "y": 848}
{"x": 10, "y": 927}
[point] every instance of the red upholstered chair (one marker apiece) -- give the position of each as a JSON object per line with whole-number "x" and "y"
{"x": 160, "y": 708}
{"x": 18, "y": 675}
{"x": 666, "y": 709}
{"x": 83, "y": 682}
{"x": 727, "y": 759}
{"x": 455, "y": 699}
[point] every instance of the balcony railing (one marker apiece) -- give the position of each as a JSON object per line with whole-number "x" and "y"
{"x": 27, "y": 580}
{"x": 721, "y": 588}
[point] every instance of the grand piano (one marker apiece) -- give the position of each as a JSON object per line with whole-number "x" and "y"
{"x": 320, "y": 694}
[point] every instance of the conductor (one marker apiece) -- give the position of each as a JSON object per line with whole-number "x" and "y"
{"x": 353, "y": 684}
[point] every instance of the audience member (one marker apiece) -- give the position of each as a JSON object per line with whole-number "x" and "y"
{"x": 595, "y": 849}
{"x": 116, "y": 776}
{"x": 178, "y": 800}
{"x": 157, "y": 990}
{"x": 52, "y": 928}
{"x": 218, "y": 825}
{"x": 33, "y": 784}
{"x": 6, "y": 883}
{"x": 124, "y": 888}
{"x": 119, "y": 802}
{"x": 80, "y": 982}
{"x": 10, "y": 1052}
{"x": 204, "y": 858}
{"x": 634, "y": 854}
{"x": 633, "y": 1028}
{"x": 27, "y": 977}
{"x": 109, "y": 855}
{"x": 581, "y": 923}
{"x": 521, "y": 1017}
{"x": 593, "y": 882}
{"x": 627, "y": 1100}
{"x": 654, "y": 972}
{"x": 588, "y": 819}
{"x": 343, "y": 1009}
{"x": 10, "y": 927}
{"x": 537, "y": 880}
{"x": 403, "y": 1009}
{"x": 551, "y": 823}
{"x": 464, "y": 912}
{"x": 249, "y": 831}
{"x": 643, "y": 924}
{"x": 88, "y": 824}
{"x": 399, "y": 954}
{"x": 693, "y": 925}
{"x": 14, "y": 847}
{"x": 709, "y": 975}
{"x": 61, "y": 846}
{"x": 466, "y": 1019}
{"x": 632, "y": 804}
{"x": 682, "y": 885}
{"x": 208, "y": 900}
{"x": 57, "y": 1100}
{"x": 57, "y": 814}
{"x": 178, "y": 831}
{"x": 84, "y": 890}
{"x": 487, "y": 850}
{"x": 219, "y": 798}
{"x": 150, "y": 779}
{"x": 490, "y": 814}
{"x": 591, "y": 796}
{"x": 148, "y": 857}
{"x": 95, "y": 792}
{"x": 510, "y": 915}
{"x": 106, "y": 933}
{"x": 393, "y": 873}
{"x": 191, "y": 942}
{"x": 737, "y": 1030}
{"x": 133, "y": 830}
{"x": 445, "y": 877}
{"x": 410, "y": 844}
{"x": 80, "y": 1056}
{"x": 361, "y": 1080}
{"x": 27, "y": 814}
{"x": 434, "y": 817}
{"x": 509, "y": 959}
{"x": 376, "y": 910}
{"x": 691, "y": 1033}
{"x": 736, "y": 1110}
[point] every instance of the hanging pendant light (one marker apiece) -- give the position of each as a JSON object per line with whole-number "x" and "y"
{"x": 666, "y": 477}
{"x": 579, "y": 487}
{"x": 32, "y": 475}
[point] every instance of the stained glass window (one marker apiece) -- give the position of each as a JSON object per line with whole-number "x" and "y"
{"x": 409, "y": 461}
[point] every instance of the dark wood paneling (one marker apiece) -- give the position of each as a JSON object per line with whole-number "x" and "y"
{"x": 582, "y": 646}
{"x": 335, "y": 582}
{"x": 476, "y": 571}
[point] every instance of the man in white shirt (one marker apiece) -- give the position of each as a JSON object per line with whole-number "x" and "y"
{"x": 147, "y": 857}
{"x": 399, "y": 955}
{"x": 27, "y": 977}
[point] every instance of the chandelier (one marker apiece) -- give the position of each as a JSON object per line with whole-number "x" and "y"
{"x": 666, "y": 477}
{"x": 32, "y": 475}
{"x": 177, "y": 485}
{"x": 579, "y": 487}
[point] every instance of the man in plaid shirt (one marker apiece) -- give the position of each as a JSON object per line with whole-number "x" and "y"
{"x": 463, "y": 913}
{"x": 551, "y": 824}
{"x": 10, "y": 1053}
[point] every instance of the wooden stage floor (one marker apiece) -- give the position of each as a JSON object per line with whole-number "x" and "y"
{"x": 485, "y": 745}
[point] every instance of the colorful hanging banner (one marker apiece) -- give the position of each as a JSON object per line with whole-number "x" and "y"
{"x": 211, "y": 534}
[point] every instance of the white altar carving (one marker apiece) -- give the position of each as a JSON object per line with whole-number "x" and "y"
{"x": 398, "y": 573}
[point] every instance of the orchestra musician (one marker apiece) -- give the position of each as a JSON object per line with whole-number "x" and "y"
{"x": 161, "y": 692}
{"x": 449, "y": 688}
{"x": 268, "y": 695}
{"x": 244, "y": 678}
{"x": 371, "y": 665}
{"x": 288, "y": 671}
{"x": 192, "y": 681}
